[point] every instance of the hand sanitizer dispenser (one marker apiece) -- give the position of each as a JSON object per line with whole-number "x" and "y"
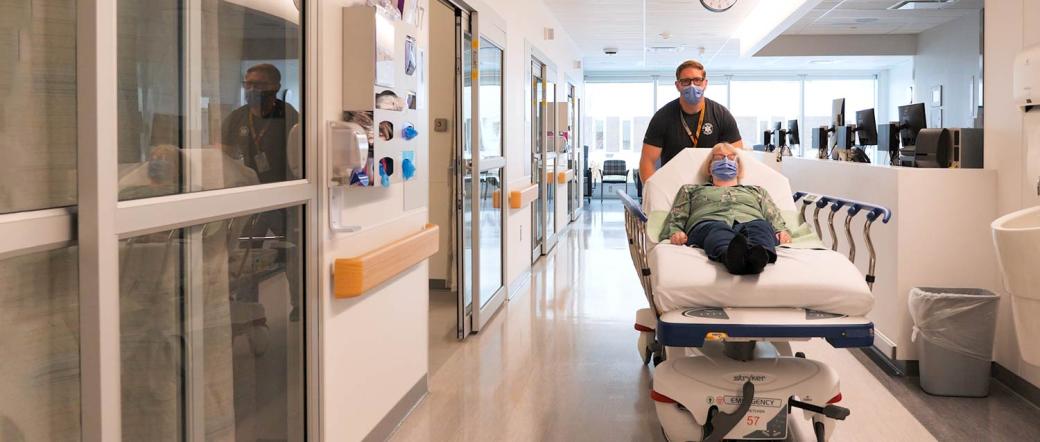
{"x": 1026, "y": 78}
{"x": 348, "y": 150}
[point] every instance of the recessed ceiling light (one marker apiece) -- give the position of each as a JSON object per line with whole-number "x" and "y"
{"x": 665, "y": 49}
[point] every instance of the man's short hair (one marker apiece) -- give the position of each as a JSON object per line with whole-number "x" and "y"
{"x": 689, "y": 64}
{"x": 268, "y": 69}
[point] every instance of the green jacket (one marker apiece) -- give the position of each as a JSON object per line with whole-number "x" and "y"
{"x": 704, "y": 202}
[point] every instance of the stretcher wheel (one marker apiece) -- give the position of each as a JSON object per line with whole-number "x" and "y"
{"x": 645, "y": 347}
{"x": 678, "y": 424}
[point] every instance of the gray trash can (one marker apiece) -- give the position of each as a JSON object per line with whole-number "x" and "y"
{"x": 954, "y": 330}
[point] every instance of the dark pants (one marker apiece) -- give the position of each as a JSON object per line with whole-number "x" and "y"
{"x": 714, "y": 237}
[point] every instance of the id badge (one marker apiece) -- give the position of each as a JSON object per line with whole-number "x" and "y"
{"x": 262, "y": 165}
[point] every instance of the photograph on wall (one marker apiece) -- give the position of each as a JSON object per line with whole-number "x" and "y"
{"x": 359, "y": 177}
{"x": 410, "y": 13}
{"x": 420, "y": 80}
{"x": 388, "y": 100}
{"x": 385, "y": 40}
{"x": 389, "y": 7}
{"x": 409, "y": 55}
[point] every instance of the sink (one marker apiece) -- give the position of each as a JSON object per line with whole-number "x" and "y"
{"x": 1017, "y": 239}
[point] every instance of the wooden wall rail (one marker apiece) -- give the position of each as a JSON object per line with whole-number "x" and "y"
{"x": 565, "y": 176}
{"x": 520, "y": 198}
{"x": 352, "y": 277}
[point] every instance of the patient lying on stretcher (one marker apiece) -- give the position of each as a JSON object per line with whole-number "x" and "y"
{"x": 737, "y": 225}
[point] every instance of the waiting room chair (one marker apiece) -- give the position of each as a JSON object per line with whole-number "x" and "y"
{"x": 614, "y": 172}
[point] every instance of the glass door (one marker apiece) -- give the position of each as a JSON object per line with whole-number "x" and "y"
{"x": 490, "y": 166}
{"x": 465, "y": 196}
{"x": 482, "y": 174}
{"x": 537, "y": 163}
{"x": 550, "y": 154}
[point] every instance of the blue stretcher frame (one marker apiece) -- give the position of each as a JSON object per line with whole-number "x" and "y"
{"x": 694, "y": 334}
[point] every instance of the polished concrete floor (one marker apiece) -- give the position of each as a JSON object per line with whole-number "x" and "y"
{"x": 558, "y": 363}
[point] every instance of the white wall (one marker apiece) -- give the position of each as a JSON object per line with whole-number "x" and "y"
{"x": 525, "y": 22}
{"x": 442, "y": 105}
{"x": 948, "y": 55}
{"x": 374, "y": 347}
{"x": 1007, "y": 150}
{"x": 898, "y": 79}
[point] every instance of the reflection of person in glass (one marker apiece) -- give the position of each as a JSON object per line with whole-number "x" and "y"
{"x": 258, "y": 132}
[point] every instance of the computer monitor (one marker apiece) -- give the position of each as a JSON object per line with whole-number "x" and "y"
{"x": 838, "y": 113}
{"x": 911, "y": 121}
{"x": 866, "y": 129}
{"x": 792, "y": 132}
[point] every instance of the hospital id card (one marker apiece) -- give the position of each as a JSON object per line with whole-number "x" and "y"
{"x": 765, "y": 420}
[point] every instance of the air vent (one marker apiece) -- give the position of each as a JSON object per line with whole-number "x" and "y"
{"x": 921, "y": 4}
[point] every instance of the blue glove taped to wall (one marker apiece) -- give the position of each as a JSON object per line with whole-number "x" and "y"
{"x": 384, "y": 179}
{"x": 407, "y": 169}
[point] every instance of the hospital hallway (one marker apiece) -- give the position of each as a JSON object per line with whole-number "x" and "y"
{"x": 558, "y": 363}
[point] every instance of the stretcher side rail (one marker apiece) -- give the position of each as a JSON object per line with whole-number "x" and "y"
{"x": 873, "y": 213}
{"x": 635, "y": 230}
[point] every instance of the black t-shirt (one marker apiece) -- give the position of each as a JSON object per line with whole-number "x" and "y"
{"x": 268, "y": 157}
{"x": 666, "y": 130}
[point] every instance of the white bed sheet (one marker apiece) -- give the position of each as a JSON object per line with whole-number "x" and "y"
{"x": 821, "y": 280}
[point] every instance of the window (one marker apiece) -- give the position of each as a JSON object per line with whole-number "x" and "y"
{"x": 39, "y": 332}
{"x": 220, "y": 112}
{"x": 490, "y": 99}
{"x": 859, "y": 94}
{"x": 599, "y": 134}
{"x": 626, "y": 135}
{"x": 211, "y": 330}
{"x": 613, "y": 106}
{"x": 757, "y": 105}
{"x": 38, "y": 114}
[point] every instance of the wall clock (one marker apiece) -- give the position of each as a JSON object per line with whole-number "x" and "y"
{"x": 718, "y": 5}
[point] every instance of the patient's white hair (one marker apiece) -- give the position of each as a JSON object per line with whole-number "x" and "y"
{"x": 727, "y": 149}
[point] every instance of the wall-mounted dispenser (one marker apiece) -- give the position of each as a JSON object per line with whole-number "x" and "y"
{"x": 1026, "y": 78}
{"x": 348, "y": 150}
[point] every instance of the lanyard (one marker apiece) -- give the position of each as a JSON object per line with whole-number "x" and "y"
{"x": 257, "y": 138}
{"x": 700, "y": 124}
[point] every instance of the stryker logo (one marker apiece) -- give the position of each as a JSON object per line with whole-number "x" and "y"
{"x": 748, "y": 377}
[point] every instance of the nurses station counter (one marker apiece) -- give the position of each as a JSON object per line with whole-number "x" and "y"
{"x": 939, "y": 235}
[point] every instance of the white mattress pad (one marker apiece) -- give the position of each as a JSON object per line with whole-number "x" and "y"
{"x": 821, "y": 280}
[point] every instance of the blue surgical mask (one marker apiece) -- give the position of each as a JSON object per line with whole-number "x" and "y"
{"x": 693, "y": 94}
{"x": 724, "y": 169}
{"x": 159, "y": 170}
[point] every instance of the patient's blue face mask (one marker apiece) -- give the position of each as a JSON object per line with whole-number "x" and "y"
{"x": 724, "y": 169}
{"x": 693, "y": 94}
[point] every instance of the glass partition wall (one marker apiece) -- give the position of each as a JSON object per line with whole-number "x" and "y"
{"x": 620, "y": 108}
{"x": 141, "y": 298}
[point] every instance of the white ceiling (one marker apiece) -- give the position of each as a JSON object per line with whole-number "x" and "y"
{"x": 874, "y": 17}
{"x": 597, "y": 24}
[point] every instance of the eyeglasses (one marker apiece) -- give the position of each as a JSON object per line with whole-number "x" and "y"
{"x": 256, "y": 84}
{"x": 719, "y": 156}
{"x": 686, "y": 82}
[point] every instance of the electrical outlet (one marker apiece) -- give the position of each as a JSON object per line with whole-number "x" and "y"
{"x": 441, "y": 125}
